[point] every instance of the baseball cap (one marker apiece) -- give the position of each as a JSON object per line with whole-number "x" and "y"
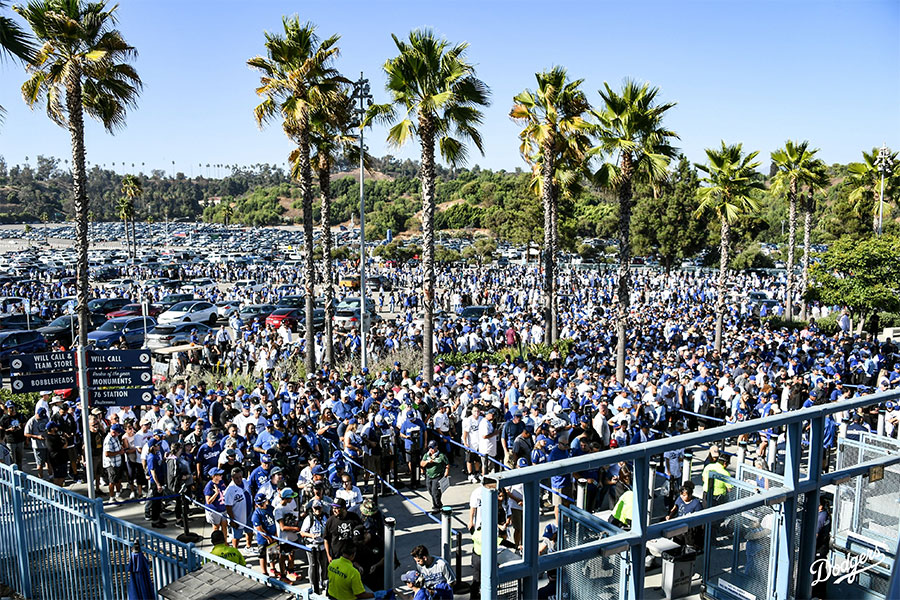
{"x": 549, "y": 530}
{"x": 339, "y": 503}
{"x": 432, "y": 444}
{"x": 117, "y": 428}
{"x": 288, "y": 493}
{"x": 522, "y": 463}
{"x": 52, "y": 425}
{"x": 41, "y": 411}
{"x": 542, "y": 438}
{"x": 276, "y": 471}
{"x": 264, "y": 458}
{"x": 216, "y": 471}
{"x": 231, "y": 452}
{"x": 10, "y": 404}
{"x": 318, "y": 470}
{"x": 316, "y": 504}
{"x": 260, "y": 498}
{"x": 368, "y": 507}
{"x": 410, "y": 577}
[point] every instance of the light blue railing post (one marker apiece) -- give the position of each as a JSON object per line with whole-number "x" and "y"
{"x": 102, "y": 545}
{"x": 18, "y": 499}
{"x": 192, "y": 562}
{"x": 810, "y": 517}
{"x": 793, "y": 456}
{"x": 639, "y": 522}
{"x": 531, "y": 516}
{"x": 489, "y": 579}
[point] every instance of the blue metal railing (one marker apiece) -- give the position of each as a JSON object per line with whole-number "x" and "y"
{"x": 796, "y": 484}
{"x": 56, "y": 544}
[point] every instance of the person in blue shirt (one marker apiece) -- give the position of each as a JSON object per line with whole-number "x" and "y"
{"x": 260, "y": 475}
{"x": 214, "y": 498}
{"x": 269, "y": 437}
{"x": 560, "y": 484}
{"x": 412, "y": 432}
{"x": 207, "y": 456}
{"x": 156, "y": 476}
{"x": 263, "y": 520}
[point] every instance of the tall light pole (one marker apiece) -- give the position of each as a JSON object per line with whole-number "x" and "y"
{"x": 361, "y": 93}
{"x": 883, "y": 162}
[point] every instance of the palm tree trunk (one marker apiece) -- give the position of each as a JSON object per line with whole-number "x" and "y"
{"x": 325, "y": 187}
{"x": 554, "y": 282}
{"x": 792, "y": 236}
{"x": 804, "y": 275}
{"x": 309, "y": 266}
{"x": 720, "y": 285}
{"x": 79, "y": 193}
{"x": 426, "y": 135}
{"x": 624, "y": 284}
{"x": 133, "y": 239}
{"x": 548, "y": 199}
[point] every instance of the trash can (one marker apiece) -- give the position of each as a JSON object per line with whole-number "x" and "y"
{"x": 677, "y": 573}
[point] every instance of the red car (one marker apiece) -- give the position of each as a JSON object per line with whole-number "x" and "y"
{"x": 134, "y": 310}
{"x": 291, "y": 317}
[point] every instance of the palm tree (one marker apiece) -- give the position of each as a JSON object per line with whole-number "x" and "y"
{"x": 124, "y": 210}
{"x": 555, "y": 144}
{"x": 227, "y": 213}
{"x": 435, "y": 88}
{"x": 793, "y": 163}
{"x": 731, "y": 178}
{"x": 865, "y": 181}
{"x": 82, "y": 67}
{"x": 816, "y": 178}
{"x": 132, "y": 188}
{"x": 14, "y": 42}
{"x": 631, "y": 130}
{"x": 331, "y": 134}
{"x": 297, "y": 77}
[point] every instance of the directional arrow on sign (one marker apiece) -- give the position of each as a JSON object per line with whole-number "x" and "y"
{"x": 43, "y": 381}
{"x": 119, "y": 378}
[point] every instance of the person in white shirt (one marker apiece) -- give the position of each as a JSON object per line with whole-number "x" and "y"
{"x": 238, "y": 505}
{"x": 114, "y": 459}
{"x": 470, "y": 427}
{"x": 487, "y": 442}
{"x": 349, "y": 492}
{"x": 287, "y": 519}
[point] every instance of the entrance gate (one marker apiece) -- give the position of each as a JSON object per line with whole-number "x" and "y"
{"x": 602, "y": 577}
{"x": 865, "y": 518}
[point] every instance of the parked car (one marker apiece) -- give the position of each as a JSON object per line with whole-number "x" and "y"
{"x": 191, "y": 311}
{"x": 58, "y": 305}
{"x": 474, "y": 313}
{"x": 256, "y": 311}
{"x": 60, "y": 329}
{"x": 21, "y": 322}
{"x": 202, "y": 286}
{"x": 249, "y": 285}
{"x": 291, "y": 302}
{"x": 347, "y": 318}
{"x": 349, "y": 282}
{"x": 171, "y": 300}
{"x": 379, "y": 282}
{"x": 131, "y": 328}
{"x": 295, "y": 319}
{"x": 226, "y": 308}
{"x": 174, "y": 334}
{"x": 105, "y": 306}
{"x": 20, "y": 342}
{"x": 130, "y": 310}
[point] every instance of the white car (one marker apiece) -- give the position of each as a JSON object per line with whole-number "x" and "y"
{"x": 199, "y": 286}
{"x": 248, "y": 285}
{"x": 190, "y": 311}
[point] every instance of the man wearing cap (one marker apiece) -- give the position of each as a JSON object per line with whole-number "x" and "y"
{"x": 313, "y": 533}
{"x": 237, "y": 507}
{"x": 260, "y": 474}
{"x": 56, "y": 453}
{"x": 417, "y": 584}
{"x": 156, "y": 476}
{"x": 716, "y": 463}
{"x": 35, "y": 428}
{"x": 12, "y": 427}
{"x": 413, "y": 433}
{"x": 436, "y": 467}
{"x": 286, "y": 517}
{"x": 511, "y": 430}
{"x": 114, "y": 459}
{"x": 263, "y": 521}
{"x": 339, "y": 529}
{"x": 214, "y": 495}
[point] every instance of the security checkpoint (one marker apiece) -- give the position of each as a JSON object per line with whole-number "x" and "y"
{"x": 759, "y": 539}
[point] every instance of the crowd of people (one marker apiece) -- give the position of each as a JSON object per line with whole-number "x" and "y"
{"x": 291, "y": 467}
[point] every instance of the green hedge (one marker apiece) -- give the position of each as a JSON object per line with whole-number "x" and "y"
{"x": 827, "y": 325}
{"x": 458, "y": 359}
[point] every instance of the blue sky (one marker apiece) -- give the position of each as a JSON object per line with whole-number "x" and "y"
{"x": 757, "y": 72}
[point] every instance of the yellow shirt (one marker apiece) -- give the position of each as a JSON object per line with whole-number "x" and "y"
{"x": 344, "y": 581}
{"x": 719, "y": 487}
{"x": 228, "y": 553}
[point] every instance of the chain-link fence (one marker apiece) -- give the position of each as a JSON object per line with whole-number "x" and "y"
{"x": 597, "y": 578}
{"x": 739, "y": 559}
{"x": 864, "y": 508}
